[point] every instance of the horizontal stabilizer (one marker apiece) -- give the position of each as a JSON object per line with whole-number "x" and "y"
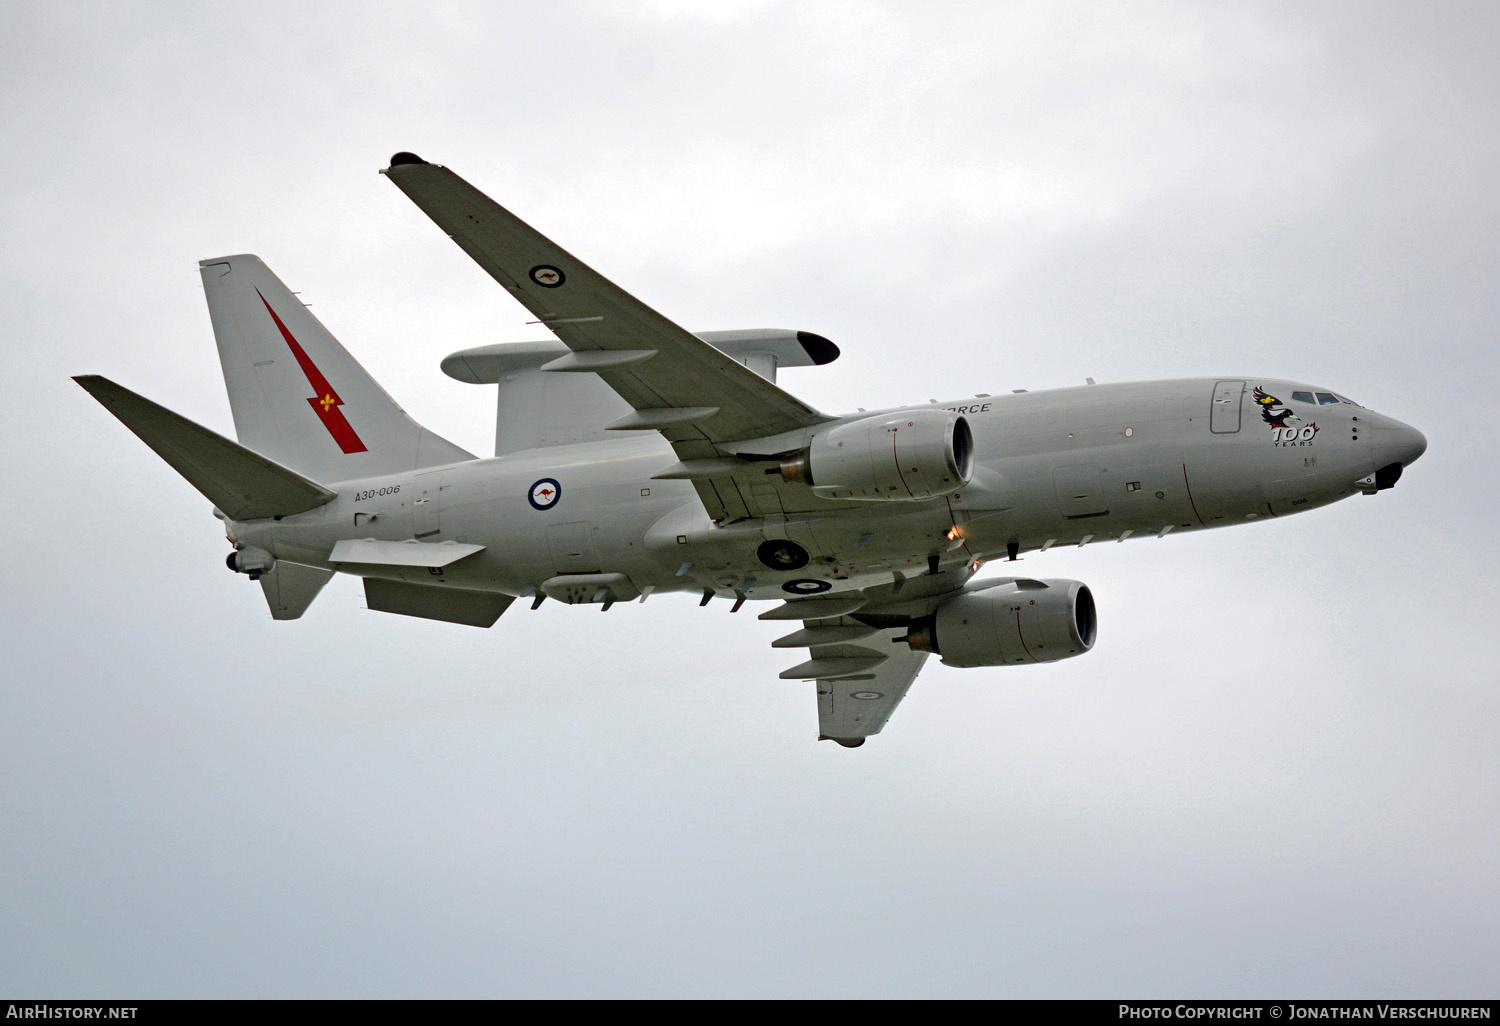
{"x": 291, "y": 587}
{"x": 475, "y": 608}
{"x": 243, "y": 484}
{"x": 401, "y": 553}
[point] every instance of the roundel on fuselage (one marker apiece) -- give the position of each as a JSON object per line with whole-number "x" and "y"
{"x": 545, "y": 493}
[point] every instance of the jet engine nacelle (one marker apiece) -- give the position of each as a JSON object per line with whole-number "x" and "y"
{"x": 902, "y": 456}
{"x": 1021, "y": 621}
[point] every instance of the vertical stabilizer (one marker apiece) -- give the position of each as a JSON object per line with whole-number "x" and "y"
{"x": 298, "y": 397}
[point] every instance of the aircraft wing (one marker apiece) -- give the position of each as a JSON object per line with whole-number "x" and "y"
{"x": 862, "y": 673}
{"x": 850, "y": 709}
{"x": 692, "y": 393}
{"x": 857, "y": 651}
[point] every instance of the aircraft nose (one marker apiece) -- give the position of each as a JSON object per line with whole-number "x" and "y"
{"x": 1395, "y": 442}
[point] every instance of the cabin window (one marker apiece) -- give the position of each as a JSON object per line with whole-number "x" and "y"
{"x": 1302, "y": 397}
{"x": 1326, "y": 398}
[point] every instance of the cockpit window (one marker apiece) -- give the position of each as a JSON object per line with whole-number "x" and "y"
{"x": 1323, "y": 398}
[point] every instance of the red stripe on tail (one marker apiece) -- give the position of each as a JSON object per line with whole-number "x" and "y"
{"x": 327, "y": 402}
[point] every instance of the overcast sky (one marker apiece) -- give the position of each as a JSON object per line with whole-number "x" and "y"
{"x": 1276, "y": 775}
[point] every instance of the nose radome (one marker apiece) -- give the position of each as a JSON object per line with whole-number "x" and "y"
{"x": 1395, "y": 442}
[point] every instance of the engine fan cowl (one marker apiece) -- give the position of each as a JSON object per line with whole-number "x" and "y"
{"x": 903, "y": 456}
{"x": 1022, "y": 621}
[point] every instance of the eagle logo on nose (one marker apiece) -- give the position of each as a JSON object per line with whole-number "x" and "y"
{"x": 1279, "y": 417}
{"x": 1271, "y": 409}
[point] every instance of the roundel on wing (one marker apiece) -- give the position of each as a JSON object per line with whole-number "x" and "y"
{"x": 547, "y": 276}
{"x": 545, "y": 493}
{"x": 806, "y": 586}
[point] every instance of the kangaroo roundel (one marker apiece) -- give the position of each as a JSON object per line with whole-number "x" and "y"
{"x": 545, "y": 493}
{"x": 547, "y": 276}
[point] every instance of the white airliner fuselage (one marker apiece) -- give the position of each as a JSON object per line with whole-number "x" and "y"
{"x": 1066, "y": 466}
